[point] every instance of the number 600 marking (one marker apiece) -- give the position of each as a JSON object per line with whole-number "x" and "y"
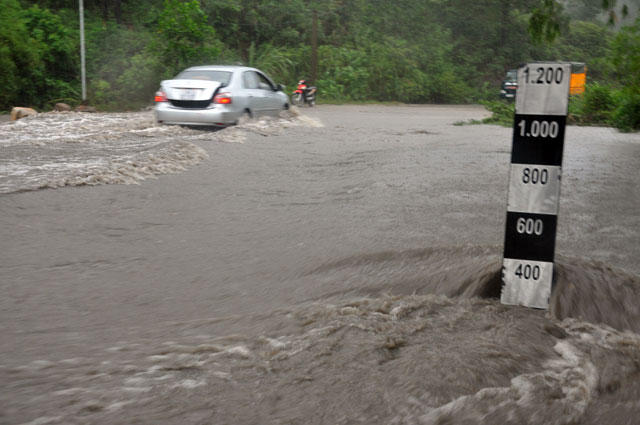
{"x": 529, "y": 226}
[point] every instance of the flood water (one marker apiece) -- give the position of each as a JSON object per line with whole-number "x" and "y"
{"x": 336, "y": 265}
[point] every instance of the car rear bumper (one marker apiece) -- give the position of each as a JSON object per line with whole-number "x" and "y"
{"x": 167, "y": 114}
{"x": 504, "y": 94}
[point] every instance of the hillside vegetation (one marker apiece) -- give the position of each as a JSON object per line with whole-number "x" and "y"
{"x": 413, "y": 51}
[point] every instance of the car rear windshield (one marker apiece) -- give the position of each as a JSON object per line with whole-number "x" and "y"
{"x": 220, "y": 76}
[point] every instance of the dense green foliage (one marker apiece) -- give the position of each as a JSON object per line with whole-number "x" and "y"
{"x": 602, "y": 105}
{"x": 37, "y": 56}
{"x": 416, "y": 51}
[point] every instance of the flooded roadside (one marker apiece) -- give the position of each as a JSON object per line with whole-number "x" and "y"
{"x": 53, "y": 150}
{"x": 334, "y": 274}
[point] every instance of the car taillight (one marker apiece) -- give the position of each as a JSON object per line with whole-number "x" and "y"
{"x": 161, "y": 97}
{"x": 222, "y": 99}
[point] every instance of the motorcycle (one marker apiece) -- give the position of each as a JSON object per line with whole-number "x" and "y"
{"x": 304, "y": 94}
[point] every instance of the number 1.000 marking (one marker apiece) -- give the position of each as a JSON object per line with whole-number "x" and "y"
{"x": 539, "y": 129}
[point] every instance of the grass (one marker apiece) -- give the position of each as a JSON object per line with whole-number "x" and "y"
{"x": 501, "y": 114}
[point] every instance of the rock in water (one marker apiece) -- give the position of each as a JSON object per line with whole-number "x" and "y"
{"x": 21, "y": 112}
{"x": 61, "y": 107}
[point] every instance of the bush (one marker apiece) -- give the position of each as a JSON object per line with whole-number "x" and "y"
{"x": 502, "y": 113}
{"x": 598, "y": 104}
{"x": 120, "y": 70}
{"x": 37, "y": 57}
{"x": 183, "y": 36}
{"x": 603, "y": 105}
{"x": 17, "y": 55}
{"x": 626, "y": 116}
{"x": 343, "y": 74}
{"x": 625, "y": 56}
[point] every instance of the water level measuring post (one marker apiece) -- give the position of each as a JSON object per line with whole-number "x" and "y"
{"x": 534, "y": 183}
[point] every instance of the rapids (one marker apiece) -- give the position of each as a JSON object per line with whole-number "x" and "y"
{"x": 336, "y": 266}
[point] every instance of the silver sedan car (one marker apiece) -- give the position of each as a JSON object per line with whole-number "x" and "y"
{"x": 218, "y": 96}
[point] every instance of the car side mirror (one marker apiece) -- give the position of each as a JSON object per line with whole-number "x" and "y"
{"x": 279, "y": 87}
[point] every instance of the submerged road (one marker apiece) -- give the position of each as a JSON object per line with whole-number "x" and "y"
{"x": 297, "y": 219}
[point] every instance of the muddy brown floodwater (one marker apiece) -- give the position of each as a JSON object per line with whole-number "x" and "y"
{"x": 335, "y": 266}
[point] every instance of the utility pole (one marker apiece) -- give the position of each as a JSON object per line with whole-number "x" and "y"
{"x": 314, "y": 48}
{"x": 82, "y": 58}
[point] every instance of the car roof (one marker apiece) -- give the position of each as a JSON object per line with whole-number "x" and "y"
{"x": 229, "y": 68}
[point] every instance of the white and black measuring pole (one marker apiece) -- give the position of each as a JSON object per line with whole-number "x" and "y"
{"x": 534, "y": 183}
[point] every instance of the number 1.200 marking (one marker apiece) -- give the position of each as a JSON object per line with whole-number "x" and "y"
{"x": 544, "y": 75}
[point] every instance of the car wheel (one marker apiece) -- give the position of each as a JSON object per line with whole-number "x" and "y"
{"x": 245, "y": 117}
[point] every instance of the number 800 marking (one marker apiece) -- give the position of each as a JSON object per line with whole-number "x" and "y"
{"x": 535, "y": 176}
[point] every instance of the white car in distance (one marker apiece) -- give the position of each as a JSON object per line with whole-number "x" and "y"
{"x": 218, "y": 95}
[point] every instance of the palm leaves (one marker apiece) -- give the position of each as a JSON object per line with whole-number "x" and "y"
{"x": 272, "y": 60}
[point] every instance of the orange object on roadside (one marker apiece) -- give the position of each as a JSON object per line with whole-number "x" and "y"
{"x": 578, "y": 78}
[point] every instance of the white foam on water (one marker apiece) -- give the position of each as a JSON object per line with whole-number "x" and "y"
{"x": 421, "y": 357}
{"x": 53, "y": 150}
{"x": 136, "y": 389}
{"x": 45, "y": 420}
{"x": 135, "y": 381}
{"x": 117, "y": 405}
{"x": 240, "y": 350}
{"x": 71, "y": 391}
{"x": 40, "y": 364}
{"x": 559, "y": 394}
{"x": 190, "y": 384}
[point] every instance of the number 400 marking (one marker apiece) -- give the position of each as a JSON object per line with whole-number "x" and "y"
{"x": 527, "y": 272}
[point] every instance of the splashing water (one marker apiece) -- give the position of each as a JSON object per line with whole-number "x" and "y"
{"x": 349, "y": 279}
{"x": 72, "y": 149}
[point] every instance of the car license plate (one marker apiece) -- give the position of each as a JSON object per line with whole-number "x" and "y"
{"x": 187, "y": 94}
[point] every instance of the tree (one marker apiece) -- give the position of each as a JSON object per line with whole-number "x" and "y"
{"x": 17, "y": 53}
{"x": 183, "y": 36}
{"x": 37, "y": 56}
{"x": 547, "y": 18}
{"x": 625, "y": 56}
